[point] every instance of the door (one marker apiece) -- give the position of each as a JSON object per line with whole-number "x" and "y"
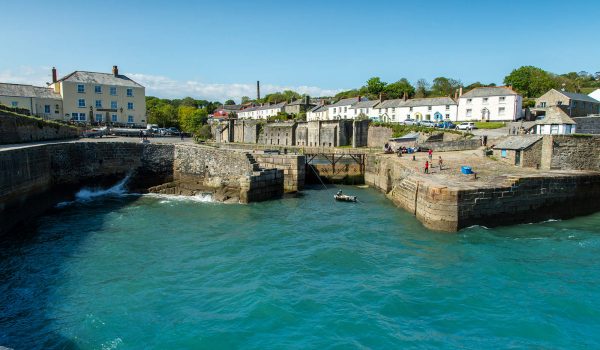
{"x": 517, "y": 157}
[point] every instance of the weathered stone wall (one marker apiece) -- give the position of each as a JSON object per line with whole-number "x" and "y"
{"x": 519, "y": 199}
{"x": 280, "y": 134}
{"x": 588, "y": 125}
{"x": 302, "y": 134}
{"x": 532, "y": 156}
{"x": 360, "y": 133}
{"x": 246, "y": 131}
{"x": 571, "y": 152}
{"x": 378, "y": 136}
{"x": 293, "y": 167}
{"x": 18, "y": 129}
{"x": 459, "y": 145}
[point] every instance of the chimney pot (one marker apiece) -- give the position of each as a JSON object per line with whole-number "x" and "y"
{"x": 54, "y": 76}
{"x": 460, "y": 92}
{"x": 115, "y": 71}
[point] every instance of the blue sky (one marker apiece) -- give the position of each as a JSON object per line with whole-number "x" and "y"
{"x": 218, "y": 49}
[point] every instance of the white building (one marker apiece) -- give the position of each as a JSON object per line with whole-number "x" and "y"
{"x": 434, "y": 109}
{"x": 318, "y": 113}
{"x": 342, "y": 108}
{"x": 554, "y": 122}
{"x": 39, "y": 101}
{"x": 595, "y": 95}
{"x": 261, "y": 112}
{"x": 365, "y": 108}
{"x": 490, "y": 104}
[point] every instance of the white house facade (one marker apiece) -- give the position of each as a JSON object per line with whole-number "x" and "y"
{"x": 318, "y": 113}
{"x": 39, "y": 101}
{"x": 555, "y": 122}
{"x": 365, "y": 108}
{"x": 490, "y": 104}
{"x": 261, "y": 112}
{"x": 433, "y": 109}
{"x": 342, "y": 109}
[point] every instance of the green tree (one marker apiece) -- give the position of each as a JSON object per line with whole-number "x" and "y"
{"x": 398, "y": 89}
{"x": 204, "y": 133}
{"x": 443, "y": 86}
{"x": 531, "y": 81}
{"x": 165, "y": 115}
{"x": 375, "y": 86}
{"x": 189, "y": 102}
{"x": 191, "y": 118}
{"x": 229, "y": 102}
{"x": 422, "y": 88}
{"x": 245, "y": 99}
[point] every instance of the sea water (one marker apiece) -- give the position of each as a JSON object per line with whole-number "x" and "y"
{"x": 124, "y": 271}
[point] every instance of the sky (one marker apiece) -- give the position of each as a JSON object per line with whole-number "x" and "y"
{"x": 217, "y": 50}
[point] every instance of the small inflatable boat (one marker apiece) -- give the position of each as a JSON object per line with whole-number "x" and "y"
{"x": 344, "y": 198}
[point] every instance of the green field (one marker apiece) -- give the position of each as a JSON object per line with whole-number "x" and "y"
{"x": 489, "y": 125}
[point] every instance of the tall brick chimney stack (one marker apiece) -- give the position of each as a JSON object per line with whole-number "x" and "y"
{"x": 54, "y": 77}
{"x": 258, "y": 90}
{"x": 115, "y": 71}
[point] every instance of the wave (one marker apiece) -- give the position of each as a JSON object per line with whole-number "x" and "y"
{"x": 88, "y": 194}
{"x": 168, "y": 198}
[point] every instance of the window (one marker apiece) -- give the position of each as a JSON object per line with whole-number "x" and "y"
{"x": 130, "y": 119}
{"x": 502, "y": 99}
{"x": 80, "y": 88}
{"x": 14, "y": 104}
{"x": 56, "y": 108}
{"x": 114, "y": 118}
{"x": 113, "y": 91}
{"x": 81, "y": 102}
{"x": 98, "y": 103}
{"x": 485, "y": 100}
{"x": 567, "y": 129}
{"x": 345, "y": 109}
{"x": 559, "y": 103}
{"x": 113, "y": 105}
{"x": 574, "y": 103}
{"x": 554, "y": 129}
{"x": 503, "y": 153}
{"x": 98, "y": 89}
{"x": 543, "y": 104}
{"x": 501, "y": 110}
{"x": 469, "y": 100}
{"x": 447, "y": 107}
{"x": 469, "y": 112}
{"x": 334, "y": 110}
{"x": 411, "y": 109}
{"x": 98, "y": 118}
{"x": 129, "y": 92}
{"x": 47, "y": 109}
{"x": 78, "y": 117}
{"x": 428, "y": 108}
{"x": 447, "y": 116}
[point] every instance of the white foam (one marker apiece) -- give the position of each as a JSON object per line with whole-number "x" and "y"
{"x": 87, "y": 194}
{"x": 168, "y": 198}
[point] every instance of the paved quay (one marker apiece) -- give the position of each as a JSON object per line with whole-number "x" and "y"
{"x": 159, "y": 140}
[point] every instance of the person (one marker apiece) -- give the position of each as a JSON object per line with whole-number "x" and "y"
{"x": 440, "y": 162}
{"x": 141, "y": 135}
{"x": 430, "y": 152}
{"x": 181, "y": 134}
{"x": 426, "y": 167}
{"x": 339, "y": 193}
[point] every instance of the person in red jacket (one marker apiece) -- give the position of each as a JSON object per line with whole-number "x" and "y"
{"x": 426, "y": 167}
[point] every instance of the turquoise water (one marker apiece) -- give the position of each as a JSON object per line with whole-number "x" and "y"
{"x": 301, "y": 273}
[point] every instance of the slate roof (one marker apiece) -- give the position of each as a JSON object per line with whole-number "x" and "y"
{"x": 518, "y": 142}
{"x": 391, "y": 103}
{"x": 365, "y": 104}
{"x": 100, "y": 78}
{"x": 232, "y": 107}
{"x": 432, "y": 101}
{"x": 299, "y": 101}
{"x": 261, "y": 108}
{"x": 20, "y": 90}
{"x": 489, "y": 91}
{"x": 555, "y": 115}
{"x": 579, "y": 97}
{"x": 318, "y": 109}
{"x": 346, "y": 102}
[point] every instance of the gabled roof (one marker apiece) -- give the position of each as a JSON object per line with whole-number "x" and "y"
{"x": 262, "y": 108}
{"x": 100, "y": 78}
{"x": 232, "y": 107}
{"x": 391, "y": 103}
{"x": 347, "y": 101}
{"x": 20, "y": 90}
{"x": 432, "y": 101}
{"x": 488, "y": 91}
{"x": 317, "y": 109}
{"x": 555, "y": 115}
{"x": 518, "y": 142}
{"x": 365, "y": 104}
{"x": 299, "y": 102}
{"x": 577, "y": 97}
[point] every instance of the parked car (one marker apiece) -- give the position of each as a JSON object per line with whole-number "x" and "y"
{"x": 173, "y": 131}
{"x": 427, "y": 123}
{"x": 466, "y": 126}
{"x": 409, "y": 121}
{"x": 446, "y": 124}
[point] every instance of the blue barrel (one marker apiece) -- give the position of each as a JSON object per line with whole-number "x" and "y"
{"x": 466, "y": 170}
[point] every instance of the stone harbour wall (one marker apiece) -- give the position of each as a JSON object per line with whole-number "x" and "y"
{"x": 588, "y": 125}
{"x": 572, "y": 152}
{"x": 378, "y": 136}
{"x": 458, "y": 145}
{"x": 15, "y": 128}
{"x": 293, "y": 167}
{"x": 518, "y": 200}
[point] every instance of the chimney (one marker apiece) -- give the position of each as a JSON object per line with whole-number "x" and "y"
{"x": 54, "y": 77}
{"x": 456, "y": 94}
{"x": 460, "y": 92}
{"x": 380, "y": 96}
{"x": 358, "y": 98}
{"x": 405, "y": 96}
{"x": 115, "y": 71}
{"x": 258, "y": 90}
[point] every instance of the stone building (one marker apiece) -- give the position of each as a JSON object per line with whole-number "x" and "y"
{"x": 574, "y": 104}
{"x": 299, "y": 106}
{"x": 554, "y": 122}
{"x": 279, "y": 134}
{"x": 524, "y": 151}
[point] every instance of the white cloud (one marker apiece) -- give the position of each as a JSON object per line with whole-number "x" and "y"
{"x": 168, "y": 88}
{"x": 165, "y": 87}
